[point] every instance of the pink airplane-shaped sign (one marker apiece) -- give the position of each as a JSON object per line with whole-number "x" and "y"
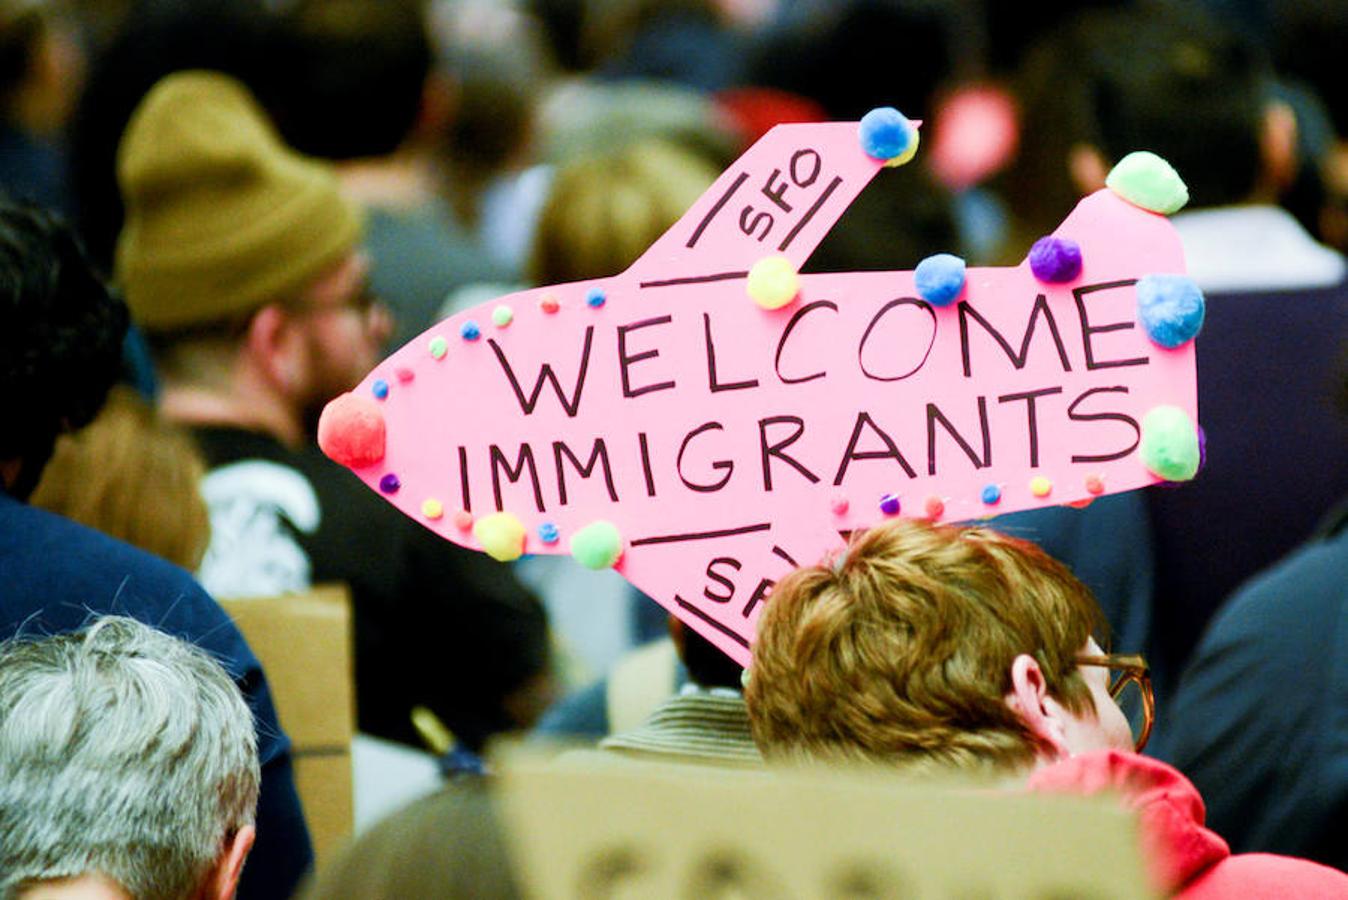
{"x": 664, "y": 422}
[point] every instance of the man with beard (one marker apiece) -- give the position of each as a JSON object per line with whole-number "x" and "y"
{"x": 240, "y": 260}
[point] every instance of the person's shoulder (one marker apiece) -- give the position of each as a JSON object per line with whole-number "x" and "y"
{"x": 1256, "y": 876}
{"x": 1300, "y": 583}
{"x": 59, "y": 573}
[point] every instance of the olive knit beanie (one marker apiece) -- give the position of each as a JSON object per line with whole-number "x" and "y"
{"x": 221, "y": 216}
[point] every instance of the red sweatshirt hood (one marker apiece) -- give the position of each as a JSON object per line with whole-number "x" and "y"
{"x": 1176, "y": 845}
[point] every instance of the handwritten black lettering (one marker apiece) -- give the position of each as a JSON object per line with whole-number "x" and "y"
{"x": 1104, "y": 417}
{"x": 514, "y": 473}
{"x": 724, "y": 465}
{"x": 598, "y": 456}
{"x": 1041, "y": 307}
{"x": 572, "y": 406}
{"x": 625, "y": 361}
{"x": 786, "y": 333}
{"x": 891, "y": 450}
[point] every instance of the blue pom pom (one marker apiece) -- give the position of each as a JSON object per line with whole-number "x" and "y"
{"x": 379, "y": 389}
{"x": 470, "y": 331}
{"x": 939, "y": 278}
{"x": 596, "y": 297}
{"x": 1170, "y": 307}
{"x": 886, "y": 133}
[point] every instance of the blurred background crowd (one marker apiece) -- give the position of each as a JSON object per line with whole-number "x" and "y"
{"x": 488, "y": 145}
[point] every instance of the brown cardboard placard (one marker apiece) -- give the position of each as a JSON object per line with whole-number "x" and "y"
{"x": 304, "y": 643}
{"x": 670, "y": 831}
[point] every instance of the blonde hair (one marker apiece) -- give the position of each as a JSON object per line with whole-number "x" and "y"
{"x": 604, "y": 211}
{"x": 900, "y": 650}
{"x": 133, "y": 476}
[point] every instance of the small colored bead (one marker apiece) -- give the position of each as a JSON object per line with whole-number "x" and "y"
{"x": 406, "y": 376}
{"x": 1040, "y": 486}
{"x": 470, "y": 331}
{"x": 439, "y": 347}
{"x": 889, "y": 504}
{"x": 992, "y": 494}
{"x": 379, "y": 389}
{"x": 548, "y": 533}
{"x": 935, "y": 507}
{"x": 1055, "y": 260}
{"x": 548, "y": 303}
{"x": 432, "y": 508}
{"x": 840, "y": 506}
{"x": 463, "y": 520}
{"x": 596, "y": 298}
{"x": 389, "y": 484}
{"x": 1095, "y": 484}
{"x": 502, "y": 316}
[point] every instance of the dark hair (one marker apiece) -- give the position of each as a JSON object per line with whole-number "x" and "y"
{"x": 707, "y": 665}
{"x": 1185, "y": 88}
{"x": 20, "y": 34}
{"x": 60, "y": 334}
{"x": 237, "y": 37}
{"x": 359, "y": 70}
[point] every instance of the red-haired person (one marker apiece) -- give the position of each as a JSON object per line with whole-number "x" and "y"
{"x": 938, "y": 648}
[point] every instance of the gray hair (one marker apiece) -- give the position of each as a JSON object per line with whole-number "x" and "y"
{"x": 123, "y": 751}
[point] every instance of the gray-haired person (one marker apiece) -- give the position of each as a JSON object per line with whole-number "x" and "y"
{"x": 128, "y": 767}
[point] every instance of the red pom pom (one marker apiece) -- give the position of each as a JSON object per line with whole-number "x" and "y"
{"x": 351, "y": 431}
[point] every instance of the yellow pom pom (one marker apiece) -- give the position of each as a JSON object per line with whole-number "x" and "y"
{"x": 432, "y": 508}
{"x": 1040, "y": 486}
{"x": 907, "y": 155}
{"x": 773, "y": 282}
{"x": 501, "y": 536}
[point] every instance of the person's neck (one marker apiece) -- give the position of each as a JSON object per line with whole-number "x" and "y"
{"x": 402, "y": 180}
{"x": 196, "y": 405}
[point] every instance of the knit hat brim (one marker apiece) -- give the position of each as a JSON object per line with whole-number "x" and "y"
{"x": 221, "y": 217}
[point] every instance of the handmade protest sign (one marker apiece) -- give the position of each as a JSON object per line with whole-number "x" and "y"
{"x": 709, "y": 418}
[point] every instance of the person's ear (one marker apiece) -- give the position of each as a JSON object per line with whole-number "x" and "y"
{"x": 1278, "y": 146}
{"x": 223, "y": 881}
{"x": 1029, "y": 698}
{"x": 273, "y": 344}
{"x": 1087, "y": 167}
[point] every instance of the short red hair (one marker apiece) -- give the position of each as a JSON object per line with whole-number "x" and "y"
{"x": 900, "y": 649}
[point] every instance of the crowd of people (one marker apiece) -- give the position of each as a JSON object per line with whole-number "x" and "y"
{"x": 218, "y": 215}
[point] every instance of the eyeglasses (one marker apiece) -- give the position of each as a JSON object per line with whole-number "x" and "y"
{"x": 1130, "y": 688}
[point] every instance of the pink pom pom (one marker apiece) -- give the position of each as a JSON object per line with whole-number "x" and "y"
{"x": 351, "y": 431}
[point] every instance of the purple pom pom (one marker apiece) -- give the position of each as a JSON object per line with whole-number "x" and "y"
{"x": 1055, "y": 260}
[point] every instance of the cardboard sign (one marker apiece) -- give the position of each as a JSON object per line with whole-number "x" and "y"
{"x": 666, "y": 831}
{"x": 728, "y": 442}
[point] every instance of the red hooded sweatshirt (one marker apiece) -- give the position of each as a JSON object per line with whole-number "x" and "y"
{"x": 1184, "y": 858}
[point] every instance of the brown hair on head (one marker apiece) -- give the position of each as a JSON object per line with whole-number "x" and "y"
{"x": 900, "y": 650}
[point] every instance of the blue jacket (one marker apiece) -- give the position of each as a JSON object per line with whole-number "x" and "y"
{"x": 56, "y": 575}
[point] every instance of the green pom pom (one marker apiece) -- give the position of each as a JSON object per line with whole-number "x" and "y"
{"x": 501, "y": 536}
{"x": 1170, "y": 444}
{"x": 1146, "y": 180}
{"x": 597, "y": 545}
